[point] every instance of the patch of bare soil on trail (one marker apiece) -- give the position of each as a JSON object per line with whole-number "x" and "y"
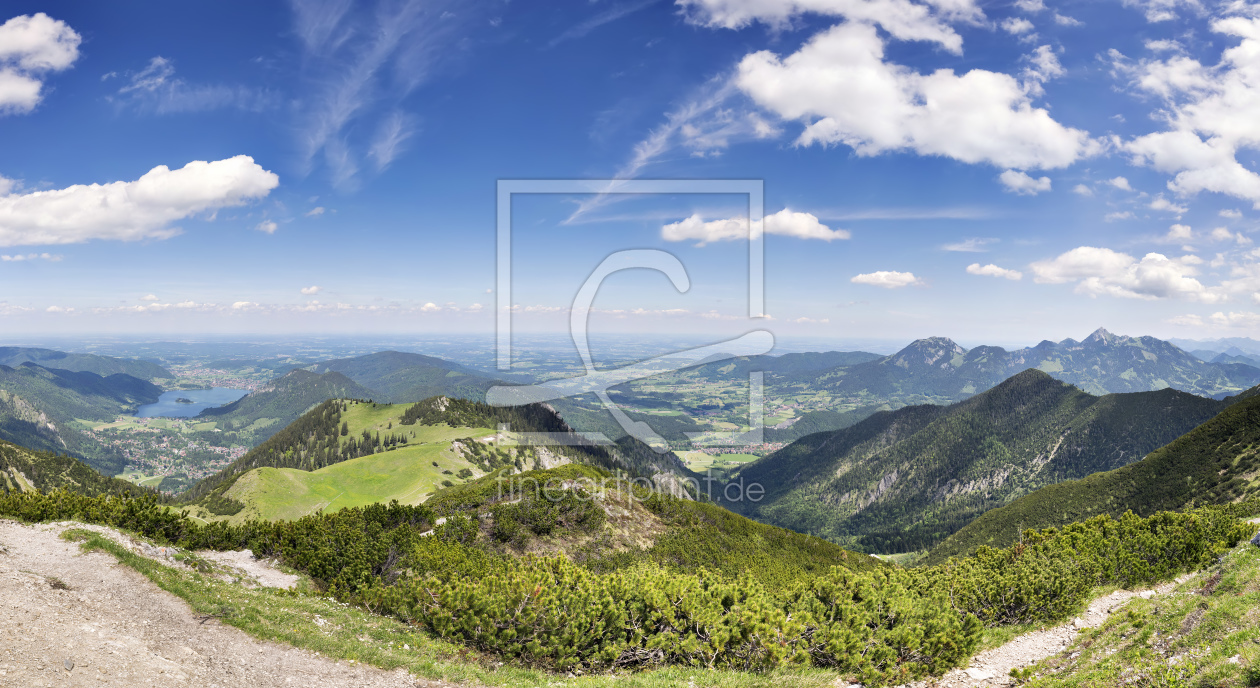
{"x": 74, "y": 619}
{"x": 993, "y": 667}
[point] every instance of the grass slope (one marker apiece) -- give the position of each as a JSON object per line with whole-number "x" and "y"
{"x": 408, "y": 474}
{"x": 1215, "y": 463}
{"x": 904, "y": 480}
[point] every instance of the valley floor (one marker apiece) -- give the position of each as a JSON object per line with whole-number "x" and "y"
{"x": 112, "y": 626}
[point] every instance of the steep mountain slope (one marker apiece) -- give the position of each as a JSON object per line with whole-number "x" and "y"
{"x": 270, "y": 408}
{"x": 400, "y": 377}
{"x": 1215, "y": 463}
{"x": 14, "y": 356}
{"x": 785, "y": 364}
{"x": 24, "y": 470}
{"x": 937, "y": 370}
{"x": 904, "y": 480}
{"x": 39, "y": 408}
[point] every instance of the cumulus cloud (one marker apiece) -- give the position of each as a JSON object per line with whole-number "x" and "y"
{"x": 1119, "y": 215}
{"x": 1017, "y": 26}
{"x": 1163, "y": 10}
{"x": 1235, "y": 319}
{"x": 29, "y": 256}
{"x": 31, "y": 46}
{"x": 1082, "y": 190}
{"x": 316, "y": 211}
{"x": 1120, "y": 183}
{"x": 840, "y": 86}
{"x": 1223, "y": 234}
{"x": 1179, "y": 234}
{"x": 1231, "y": 213}
{"x": 267, "y": 227}
{"x": 992, "y": 270}
{"x": 888, "y": 279}
{"x": 1102, "y": 271}
{"x": 785, "y": 223}
{"x": 1210, "y": 112}
{"x": 1163, "y": 204}
{"x": 1022, "y": 184}
{"x": 902, "y": 19}
{"x": 311, "y": 290}
{"x": 130, "y": 211}
{"x": 1031, "y": 6}
{"x": 149, "y": 297}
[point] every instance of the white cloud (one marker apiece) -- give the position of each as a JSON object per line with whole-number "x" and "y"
{"x": 992, "y": 270}
{"x": 1082, "y": 190}
{"x": 130, "y": 211}
{"x": 1161, "y": 203}
{"x": 267, "y": 227}
{"x": 1163, "y": 10}
{"x": 311, "y": 290}
{"x": 1188, "y": 320}
{"x": 475, "y": 308}
{"x": 1178, "y": 234}
{"x": 886, "y": 279}
{"x": 1031, "y": 6}
{"x": 157, "y": 89}
{"x": 1164, "y": 46}
{"x": 149, "y": 297}
{"x": 785, "y": 223}
{"x": 902, "y": 19}
{"x": 1101, "y": 271}
{"x": 316, "y": 211}
{"x": 1017, "y": 25}
{"x": 1043, "y": 65}
{"x": 1210, "y": 112}
{"x": 844, "y": 91}
{"x": 1120, "y": 183}
{"x": 969, "y": 245}
{"x": 1232, "y": 214}
{"x": 1065, "y": 20}
{"x": 30, "y": 47}
{"x": 1235, "y": 319}
{"x": 59, "y": 309}
{"x": 1124, "y": 215}
{"x": 1223, "y": 234}
{"x": 30, "y": 256}
{"x": 430, "y": 308}
{"x": 1022, "y": 184}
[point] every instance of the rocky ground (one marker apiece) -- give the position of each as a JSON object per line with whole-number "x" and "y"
{"x": 73, "y": 619}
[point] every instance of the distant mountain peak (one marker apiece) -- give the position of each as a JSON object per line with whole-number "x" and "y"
{"x": 931, "y": 351}
{"x": 1102, "y": 336}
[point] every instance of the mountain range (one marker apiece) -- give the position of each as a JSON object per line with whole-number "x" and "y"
{"x": 904, "y": 480}
{"x": 937, "y": 370}
{"x": 104, "y": 366}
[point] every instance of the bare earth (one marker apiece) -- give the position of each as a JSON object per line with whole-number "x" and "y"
{"x": 114, "y": 627}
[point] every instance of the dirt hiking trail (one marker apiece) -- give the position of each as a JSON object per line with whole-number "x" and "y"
{"x": 114, "y": 627}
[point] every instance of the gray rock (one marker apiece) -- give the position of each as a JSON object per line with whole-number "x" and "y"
{"x": 68, "y": 664}
{"x": 1256, "y": 540}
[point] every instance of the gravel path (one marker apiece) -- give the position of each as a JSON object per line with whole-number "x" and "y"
{"x": 114, "y": 627}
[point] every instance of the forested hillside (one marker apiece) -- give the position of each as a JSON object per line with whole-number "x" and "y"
{"x": 14, "y": 356}
{"x": 398, "y": 377}
{"x": 906, "y": 479}
{"x": 24, "y": 470}
{"x": 39, "y": 408}
{"x": 271, "y": 408}
{"x": 1215, "y": 463}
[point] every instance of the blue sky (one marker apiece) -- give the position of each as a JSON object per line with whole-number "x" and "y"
{"x": 992, "y": 172}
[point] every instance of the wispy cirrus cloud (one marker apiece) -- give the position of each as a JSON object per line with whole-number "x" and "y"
{"x": 608, "y": 16}
{"x": 360, "y": 65}
{"x": 157, "y": 89}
